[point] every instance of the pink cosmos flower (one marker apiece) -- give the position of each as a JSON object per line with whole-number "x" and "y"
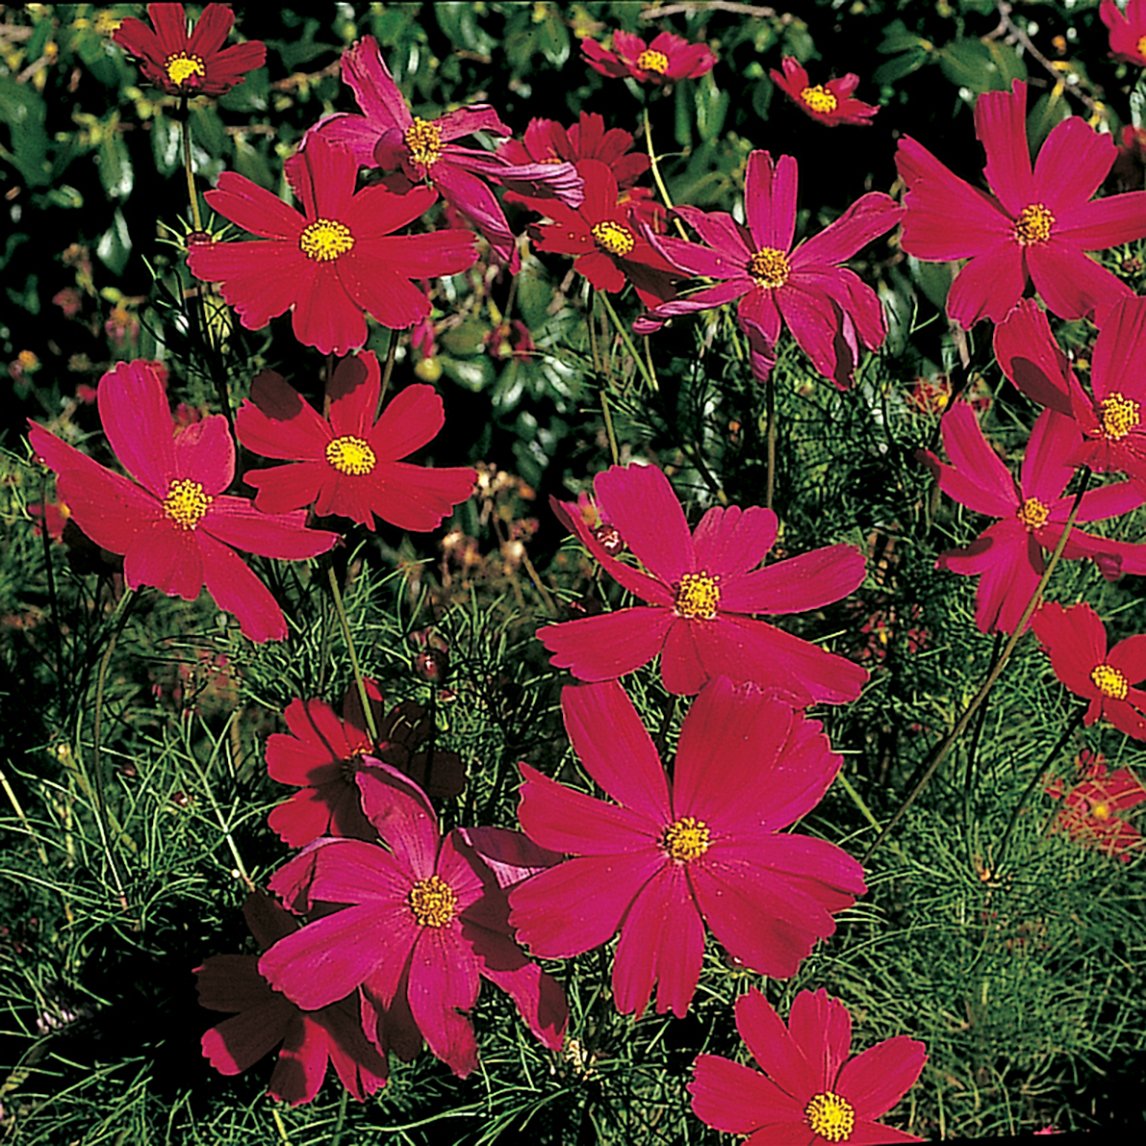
{"x": 419, "y": 924}
{"x": 1035, "y": 224}
{"x": 174, "y": 526}
{"x": 1074, "y": 638}
{"x": 666, "y": 59}
{"x": 1087, "y": 812}
{"x": 1110, "y": 423}
{"x": 829, "y": 311}
{"x": 189, "y": 64}
{"x": 831, "y": 103}
{"x": 262, "y": 1019}
{"x": 699, "y": 592}
{"x": 1127, "y": 30}
{"x": 1008, "y": 555}
{"x": 323, "y": 754}
{"x": 390, "y": 136}
{"x": 811, "y": 1092}
{"x": 668, "y": 858}
{"x": 346, "y": 463}
{"x": 335, "y": 259}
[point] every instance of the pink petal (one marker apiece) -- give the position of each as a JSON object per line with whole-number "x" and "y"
{"x": 730, "y": 541}
{"x": 1129, "y": 655}
{"x": 1105, "y": 222}
{"x": 818, "y": 326}
{"x": 205, "y": 452}
{"x": 797, "y": 584}
{"x": 1119, "y": 347}
{"x": 167, "y": 558}
{"x": 1075, "y": 640}
{"x": 1001, "y": 125}
{"x": 682, "y": 670}
{"x": 477, "y": 202}
{"x": 779, "y": 1055}
{"x": 235, "y": 521}
{"x": 1031, "y": 359}
{"x": 758, "y": 311}
{"x": 301, "y": 1066}
{"x": 1045, "y": 469}
{"x": 973, "y": 457}
{"x": 393, "y": 300}
{"x": 357, "y": 133}
{"x": 136, "y": 418}
{"x": 966, "y": 489}
{"x": 1072, "y": 284}
{"x": 404, "y": 817}
{"x": 1009, "y": 562}
{"x": 873, "y": 1082}
{"x": 417, "y": 497}
{"x": 255, "y": 209}
{"x": 352, "y": 394}
{"x": 375, "y": 91}
{"x": 770, "y": 200}
{"x": 413, "y": 417}
{"x": 443, "y": 981}
{"x": 237, "y": 590}
{"x": 866, "y": 219}
{"x": 508, "y": 854}
{"x": 611, "y": 645}
{"x": 360, "y": 872}
{"x": 988, "y": 286}
{"x": 1072, "y": 163}
{"x": 210, "y": 30}
{"x": 720, "y": 231}
{"x": 822, "y": 1028}
{"x": 736, "y": 1099}
{"x": 283, "y": 489}
{"x": 239, "y": 1042}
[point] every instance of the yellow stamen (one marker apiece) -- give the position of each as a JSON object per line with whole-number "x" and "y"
{"x": 351, "y": 455}
{"x": 1101, "y": 811}
{"x": 1119, "y": 415}
{"x": 424, "y": 142}
{"x": 1110, "y": 681}
{"x": 181, "y": 67}
{"x": 1141, "y": 45}
{"x": 325, "y": 240}
{"x": 651, "y": 61}
{"x": 1033, "y": 514}
{"x": 770, "y": 268}
{"x": 186, "y": 503}
{"x": 433, "y": 902}
{"x": 686, "y": 839}
{"x": 819, "y": 99}
{"x": 614, "y": 238}
{"x": 830, "y": 1116}
{"x": 1033, "y": 226}
{"x": 697, "y": 597}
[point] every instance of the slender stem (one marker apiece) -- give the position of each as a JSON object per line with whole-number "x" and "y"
{"x": 359, "y": 681}
{"x": 944, "y": 747}
{"x": 189, "y": 170}
{"x": 623, "y": 331}
{"x": 770, "y": 414}
{"x": 655, "y": 168}
{"x": 53, "y": 602}
{"x": 609, "y": 431}
{"x": 605, "y": 379}
{"x": 388, "y": 367}
{"x": 20, "y": 815}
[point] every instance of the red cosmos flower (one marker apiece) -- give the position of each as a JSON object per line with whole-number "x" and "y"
{"x": 831, "y": 103}
{"x": 1074, "y": 638}
{"x": 1036, "y": 224}
{"x": 1127, "y": 30}
{"x": 323, "y": 754}
{"x": 700, "y": 591}
{"x": 262, "y": 1019}
{"x": 811, "y": 1092}
{"x": 607, "y": 237}
{"x": 333, "y": 261}
{"x": 189, "y": 64}
{"x": 707, "y": 849}
{"x": 1087, "y": 813}
{"x": 827, "y": 309}
{"x": 419, "y": 923}
{"x": 1110, "y": 423}
{"x": 174, "y": 526}
{"x": 666, "y": 59}
{"x": 345, "y": 463}
{"x": 1008, "y": 556}
{"x": 390, "y": 136}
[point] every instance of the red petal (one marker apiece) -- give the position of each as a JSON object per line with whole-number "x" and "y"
{"x": 797, "y": 584}
{"x": 989, "y": 285}
{"x": 779, "y": 1055}
{"x": 205, "y": 453}
{"x": 443, "y": 981}
{"x": 326, "y": 315}
{"x": 1071, "y": 166}
{"x": 278, "y": 422}
{"x": 412, "y": 418}
{"x": 609, "y": 646}
{"x": 1072, "y": 284}
{"x": 866, "y": 219}
{"x": 873, "y": 1082}
{"x": 730, "y": 541}
{"x": 770, "y": 200}
{"x": 136, "y": 418}
{"x": 1001, "y": 125}
{"x": 353, "y": 394}
{"x": 822, "y": 1028}
{"x": 736, "y": 1099}
{"x": 255, "y": 209}
{"x": 235, "y": 521}
{"x": 237, "y": 590}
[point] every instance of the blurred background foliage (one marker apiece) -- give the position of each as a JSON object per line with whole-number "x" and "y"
{"x": 1014, "y": 952}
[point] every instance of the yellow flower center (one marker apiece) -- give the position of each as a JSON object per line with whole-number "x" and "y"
{"x": 830, "y": 1116}
{"x": 1141, "y": 45}
{"x": 686, "y": 839}
{"x": 325, "y": 240}
{"x": 1109, "y": 681}
{"x": 819, "y": 99}
{"x": 1101, "y": 811}
{"x": 1033, "y": 226}
{"x": 433, "y": 902}
{"x": 652, "y": 61}
{"x": 770, "y": 268}
{"x": 181, "y": 67}
{"x": 614, "y": 238}
{"x": 424, "y": 142}
{"x": 351, "y": 455}
{"x": 1119, "y": 415}
{"x": 186, "y": 503}
{"x": 1033, "y": 514}
{"x": 697, "y": 597}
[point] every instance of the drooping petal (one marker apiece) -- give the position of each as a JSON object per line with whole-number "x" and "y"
{"x": 365, "y": 72}
{"x": 477, "y": 202}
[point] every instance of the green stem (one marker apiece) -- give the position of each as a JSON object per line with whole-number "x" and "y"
{"x": 359, "y": 680}
{"x": 388, "y": 367}
{"x": 656, "y": 170}
{"x": 770, "y": 414}
{"x": 189, "y": 170}
{"x": 623, "y": 331}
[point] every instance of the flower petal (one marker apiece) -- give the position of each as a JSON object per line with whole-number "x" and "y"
{"x": 609, "y": 646}
{"x": 875, "y": 1081}
{"x": 778, "y": 1054}
{"x": 728, "y": 541}
{"x": 866, "y": 219}
{"x": 136, "y": 418}
{"x": 1001, "y": 125}
{"x": 989, "y": 285}
{"x": 1072, "y": 284}
{"x": 770, "y": 200}
{"x": 237, "y": 590}
{"x": 797, "y": 584}
{"x": 736, "y": 1099}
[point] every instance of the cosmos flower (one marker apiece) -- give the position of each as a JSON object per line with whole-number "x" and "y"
{"x": 698, "y": 595}
{"x": 174, "y": 526}
{"x": 332, "y": 261}
{"x": 831, "y": 103}
{"x": 810, "y": 1091}
{"x": 668, "y": 858}
{"x": 346, "y": 463}
{"x": 1089, "y": 806}
{"x": 1036, "y": 224}
{"x": 188, "y": 64}
{"x": 829, "y": 311}
{"x": 1074, "y": 638}
{"x": 1127, "y": 30}
{"x": 666, "y": 59}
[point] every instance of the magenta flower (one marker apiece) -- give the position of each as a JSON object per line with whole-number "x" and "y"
{"x": 419, "y": 925}
{"x": 1088, "y": 808}
{"x": 1035, "y": 224}
{"x": 262, "y": 1019}
{"x": 390, "y": 136}
{"x": 1008, "y": 556}
{"x": 667, "y": 859}
{"x": 174, "y": 526}
{"x": 829, "y": 311}
{"x": 665, "y": 59}
{"x": 830, "y": 104}
{"x": 810, "y": 1091}
{"x": 347, "y": 463}
{"x": 1127, "y": 30}
{"x": 699, "y": 592}
{"x": 1110, "y": 423}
